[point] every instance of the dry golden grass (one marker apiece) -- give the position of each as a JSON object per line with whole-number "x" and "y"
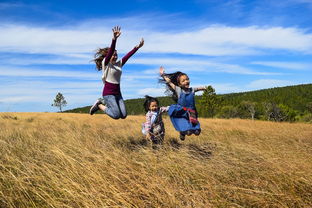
{"x": 78, "y": 160}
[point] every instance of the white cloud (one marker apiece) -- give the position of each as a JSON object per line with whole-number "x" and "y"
{"x": 222, "y": 88}
{"x": 81, "y": 59}
{"x": 285, "y": 65}
{"x": 215, "y": 40}
{"x": 151, "y": 91}
{"x": 24, "y": 72}
{"x": 174, "y": 64}
{"x": 17, "y": 99}
{"x": 268, "y": 83}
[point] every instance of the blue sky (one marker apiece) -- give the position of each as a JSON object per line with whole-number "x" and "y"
{"x": 235, "y": 46}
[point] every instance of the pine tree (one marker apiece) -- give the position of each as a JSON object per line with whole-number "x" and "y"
{"x": 59, "y": 101}
{"x": 209, "y": 102}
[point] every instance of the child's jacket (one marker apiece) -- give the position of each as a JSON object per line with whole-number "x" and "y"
{"x": 154, "y": 123}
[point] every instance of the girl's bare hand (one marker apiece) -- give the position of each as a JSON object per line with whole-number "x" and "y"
{"x": 116, "y": 32}
{"x": 148, "y": 136}
{"x": 161, "y": 70}
{"x": 140, "y": 44}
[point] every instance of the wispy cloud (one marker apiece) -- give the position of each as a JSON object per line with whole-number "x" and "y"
{"x": 215, "y": 40}
{"x": 24, "y": 72}
{"x": 174, "y": 64}
{"x": 151, "y": 91}
{"x": 7, "y": 5}
{"x": 285, "y": 65}
{"x": 268, "y": 83}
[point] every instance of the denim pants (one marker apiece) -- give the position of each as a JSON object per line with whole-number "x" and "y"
{"x": 115, "y": 106}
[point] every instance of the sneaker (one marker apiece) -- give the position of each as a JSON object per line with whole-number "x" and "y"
{"x": 182, "y": 136}
{"x": 95, "y": 107}
{"x": 197, "y": 132}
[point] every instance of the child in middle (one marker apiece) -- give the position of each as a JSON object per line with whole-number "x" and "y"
{"x": 154, "y": 128}
{"x": 183, "y": 115}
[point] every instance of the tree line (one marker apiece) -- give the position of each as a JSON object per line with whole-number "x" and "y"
{"x": 291, "y": 103}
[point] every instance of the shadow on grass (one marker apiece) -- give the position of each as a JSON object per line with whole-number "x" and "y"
{"x": 201, "y": 151}
{"x": 174, "y": 143}
{"x": 133, "y": 143}
{"x": 197, "y": 151}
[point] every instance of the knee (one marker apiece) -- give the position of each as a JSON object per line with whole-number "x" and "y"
{"x": 115, "y": 115}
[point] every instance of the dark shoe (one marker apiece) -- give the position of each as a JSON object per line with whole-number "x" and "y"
{"x": 182, "y": 136}
{"x": 197, "y": 132}
{"x": 95, "y": 107}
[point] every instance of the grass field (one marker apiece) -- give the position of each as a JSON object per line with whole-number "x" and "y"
{"x": 78, "y": 160}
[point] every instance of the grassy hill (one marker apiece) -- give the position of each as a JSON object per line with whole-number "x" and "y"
{"x": 296, "y": 97}
{"x": 78, "y": 160}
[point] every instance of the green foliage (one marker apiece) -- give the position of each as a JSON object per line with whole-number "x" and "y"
{"x": 208, "y": 103}
{"x": 247, "y": 109}
{"x": 228, "y": 111}
{"x": 59, "y": 101}
{"x": 306, "y": 118}
{"x": 309, "y": 107}
{"x": 276, "y": 104}
{"x": 135, "y": 106}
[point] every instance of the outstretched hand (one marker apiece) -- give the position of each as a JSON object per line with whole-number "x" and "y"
{"x": 116, "y": 32}
{"x": 140, "y": 44}
{"x": 161, "y": 70}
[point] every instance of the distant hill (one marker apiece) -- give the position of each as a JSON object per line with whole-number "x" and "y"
{"x": 296, "y": 97}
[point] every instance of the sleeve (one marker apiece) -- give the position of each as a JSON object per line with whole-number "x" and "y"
{"x": 105, "y": 69}
{"x": 178, "y": 91}
{"x": 148, "y": 123}
{"x": 128, "y": 55}
{"x": 110, "y": 52}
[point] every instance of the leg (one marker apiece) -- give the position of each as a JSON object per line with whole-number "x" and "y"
{"x": 122, "y": 107}
{"x": 111, "y": 107}
{"x": 102, "y": 107}
{"x": 182, "y": 135}
{"x": 189, "y": 133}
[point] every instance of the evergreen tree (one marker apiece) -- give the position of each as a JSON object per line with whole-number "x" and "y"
{"x": 59, "y": 101}
{"x": 309, "y": 107}
{"x": 209, "y": 102}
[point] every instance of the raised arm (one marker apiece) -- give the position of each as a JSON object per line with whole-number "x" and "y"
{"x": 130, "y": 53}
{"x": 116, "y": 34}
{"x": 164, "y": 109}
{"x": 199, "y": 88}
{"x": 163, "y": 75}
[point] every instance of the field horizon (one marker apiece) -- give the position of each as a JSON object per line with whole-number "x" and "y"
{"x": 78, "y": 160}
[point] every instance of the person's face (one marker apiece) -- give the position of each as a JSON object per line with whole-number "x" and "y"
{"x": 184, "y": 81}
{"x": 114, "y": 57}
{"x": 153, "y": 106}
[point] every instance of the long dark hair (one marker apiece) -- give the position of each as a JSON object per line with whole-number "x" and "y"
{"x": 99, "y": 55}
{"x": 148, "y": 101}
{"x": 174, "y": 78}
